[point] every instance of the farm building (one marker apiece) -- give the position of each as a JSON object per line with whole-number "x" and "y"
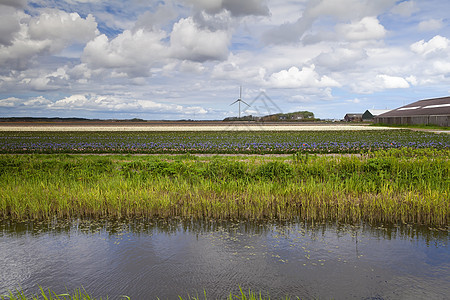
{"x": 369, "y": 114}
{"x": 353, "y": 117}
{"x": 424, "y": 112}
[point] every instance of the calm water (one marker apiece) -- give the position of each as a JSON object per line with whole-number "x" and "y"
{"x": 147, "y": 259}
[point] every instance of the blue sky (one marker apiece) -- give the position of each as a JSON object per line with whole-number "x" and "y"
{"x": 186, "y": 59}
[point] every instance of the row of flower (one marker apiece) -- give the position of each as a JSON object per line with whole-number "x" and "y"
{"x": 217, "y": 142}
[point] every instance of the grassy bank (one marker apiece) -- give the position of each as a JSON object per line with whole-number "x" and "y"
{"x": 428, "y": 126}
{"x": 397, "y": 185}
{"x": 81, "y": 294}
{"x": 78, "y": 294}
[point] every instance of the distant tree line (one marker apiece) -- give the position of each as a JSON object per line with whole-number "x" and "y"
{"x": 57, "y": 120}
{"x": 298, "y": 116}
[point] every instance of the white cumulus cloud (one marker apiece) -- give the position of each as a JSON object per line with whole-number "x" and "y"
{"x": 132, "y": 53}
{"x": 441, "y": 67}
{"x": 393, "y": 82}
{"x": 10, "y": 102}
{"x": 34, "y": 102}
{"x": 296, "y": 78}
{"x": 368, "y": 28}
{"x": 63, "y": 28}
{"x": 111, "y": 103}
{"x": 436, "y": 44}
{"x": 189, "y": 41}
{"x": 405, "y": 8}
{"x": 430, "y": 25}
{"x": 39, "y": 101}
{"x": 48, "y": 33}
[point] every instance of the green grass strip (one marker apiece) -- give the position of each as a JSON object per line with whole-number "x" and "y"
{"x": 81, "y": 294}
{"x": 394, "y": 186}
{"x": 78, "y": 294}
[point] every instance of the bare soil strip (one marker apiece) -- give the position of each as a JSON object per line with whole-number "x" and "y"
{"x": 179, "y": 127}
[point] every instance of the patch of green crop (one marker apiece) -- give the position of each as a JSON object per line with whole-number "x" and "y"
{"x": 428, "y": 126}
{"x": 397, "y": 185}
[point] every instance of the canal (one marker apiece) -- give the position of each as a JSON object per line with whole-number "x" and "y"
{"x": 146, "y": 259}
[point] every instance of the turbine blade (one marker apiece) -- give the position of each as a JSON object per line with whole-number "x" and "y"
{"x": 245, "y": 102}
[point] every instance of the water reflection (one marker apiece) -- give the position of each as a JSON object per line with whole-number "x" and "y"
{"x": 146, "y": 258}
{"x": 175, "y": 225}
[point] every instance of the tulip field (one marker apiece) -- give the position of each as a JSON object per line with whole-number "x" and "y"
{"x": 218, "y": 142}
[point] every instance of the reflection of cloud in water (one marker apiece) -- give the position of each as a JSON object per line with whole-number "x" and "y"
{"x": 342, "y": 257}
{"x": 165, "y": 259}
{"x": 17, "y": 263}
{"x": 51, "y": 260}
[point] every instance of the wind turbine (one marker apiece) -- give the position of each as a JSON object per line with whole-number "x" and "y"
{"x": 239, "y": 101}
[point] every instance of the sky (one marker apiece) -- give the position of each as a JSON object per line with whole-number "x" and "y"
{"x": 186, "y": 59}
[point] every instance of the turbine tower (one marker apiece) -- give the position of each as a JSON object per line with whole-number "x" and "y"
{"x": 239, "y": 101}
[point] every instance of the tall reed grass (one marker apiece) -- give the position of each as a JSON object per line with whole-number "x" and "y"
{"x": 78, "y": 294}
{"x": 81, "y": 294}
{"x": 397, "y": 185}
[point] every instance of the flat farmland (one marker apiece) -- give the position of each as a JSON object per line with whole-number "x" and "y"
{"x": 210, "y": 138}
{"x": 396, "y": 176}
{"x": 183, "y": 126}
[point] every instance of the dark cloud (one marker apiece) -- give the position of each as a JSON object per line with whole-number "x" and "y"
{"x": 161, "y": 17}
{"x": 249, "y": 7}
{"x": 14, "y": 3}
{"x": 237, "y": 8}
{"x": 287, "y": 32}
{"x": 341, "y": 59}
{"x": 9, "y": 25}
{"x": 344, "y": 10}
